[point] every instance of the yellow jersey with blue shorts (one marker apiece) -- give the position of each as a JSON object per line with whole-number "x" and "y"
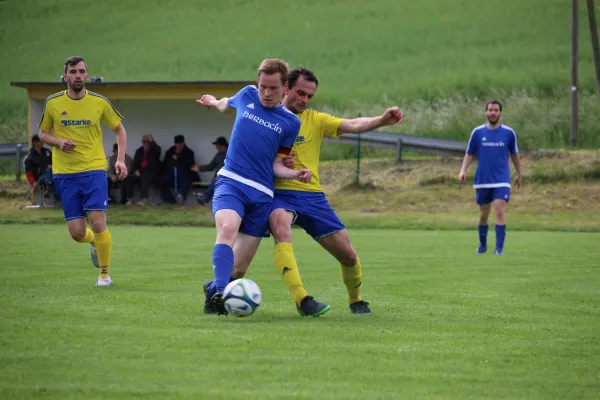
{"x": 80, "y": 176}
{"x": 307, "y": 201}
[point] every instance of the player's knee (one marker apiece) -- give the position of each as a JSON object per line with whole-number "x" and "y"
{"x": 499, "y": 212}
{"x": 349, "y": 258}
{"x": 282, "y": 232}
{"x": 77, "y": 234}
{"x": 227, "y": 231}
{"x": 98, "y": 226}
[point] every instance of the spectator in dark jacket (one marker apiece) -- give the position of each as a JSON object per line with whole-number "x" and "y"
{"x": 38, "y": 166}
{"x": 146, "y": 166}
{"x": 215, "y": 164}
{"x": 126, "y": 185}
{"x": 178, "y": 173}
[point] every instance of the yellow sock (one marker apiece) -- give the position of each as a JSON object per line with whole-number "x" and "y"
{"x": 285, "y": 264}
{"x": 89, "y": 236}
{"x": 352, "y": 277}
{"x": 104, "y": 249}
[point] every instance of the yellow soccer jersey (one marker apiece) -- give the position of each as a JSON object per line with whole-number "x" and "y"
{"x": 307, "y": 148}
{"x": 79, "y": 121}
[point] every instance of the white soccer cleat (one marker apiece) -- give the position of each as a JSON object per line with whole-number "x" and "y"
{"x": 104, "y": 281}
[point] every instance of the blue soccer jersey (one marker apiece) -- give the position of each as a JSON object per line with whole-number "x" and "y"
{"x": 492, "y": 148}
{"x": 258, "y": 135}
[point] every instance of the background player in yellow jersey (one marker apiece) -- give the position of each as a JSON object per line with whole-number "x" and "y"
{"x": 71, "y": 123}
{"x": 305, "y": 204}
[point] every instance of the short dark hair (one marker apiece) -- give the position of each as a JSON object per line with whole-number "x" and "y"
{"x": 493, "y": 102}
{"x": 115, "y": 147}
{"x": 35, "y": 138}
{"x": 72, "y": 61}
{"x": 306, "y": 73}
{"x": 179, "y": 139}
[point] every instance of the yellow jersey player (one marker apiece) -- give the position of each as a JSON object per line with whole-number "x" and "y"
{"x": 71, "y": 123}
{"x": 305, "y": 204}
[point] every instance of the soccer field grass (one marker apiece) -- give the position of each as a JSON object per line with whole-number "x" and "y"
{"x": 446, "y": 323}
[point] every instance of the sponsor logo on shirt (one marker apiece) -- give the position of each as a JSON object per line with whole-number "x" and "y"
{"x": 262, "y": 122}
{"x": 76, "y": 122}
{"x": 492, "y": 144}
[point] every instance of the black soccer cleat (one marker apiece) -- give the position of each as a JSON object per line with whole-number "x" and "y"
{"x": 209, "y": 307}
{"x": 218, "y": 303}
{"x": 360, "y": 307}
{"x": 311, "y": 307}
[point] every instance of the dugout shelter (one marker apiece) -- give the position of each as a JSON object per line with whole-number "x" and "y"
{"x": 162, "y": 109}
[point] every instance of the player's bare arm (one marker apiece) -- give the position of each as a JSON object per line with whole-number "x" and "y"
{"x": 462, "y": 175}
{"x": 209, "y": 101}
{"x": 120, "y": 166}
{"x": 391, "y": 116}
{"x": 516, "y": 159}
{"x": 64, "y": 145}
{"x": 281, "y": 171}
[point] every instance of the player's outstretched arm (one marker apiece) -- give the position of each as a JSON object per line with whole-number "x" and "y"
{"x": 462, "y": 176}
{"x": 209, "y": 101}
{"x": 516, "y": 159}
{"x": 283, "y": 172}
{"x": 391, "y": 116}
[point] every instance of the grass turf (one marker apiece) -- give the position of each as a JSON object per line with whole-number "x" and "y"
{"x": 446, "y": 323}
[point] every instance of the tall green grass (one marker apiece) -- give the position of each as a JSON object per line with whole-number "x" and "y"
{"x": 440, "y": 60}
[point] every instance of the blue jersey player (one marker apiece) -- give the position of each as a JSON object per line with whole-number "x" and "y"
{"x": 492, "y": 144}
{"x": 263, "y": 134}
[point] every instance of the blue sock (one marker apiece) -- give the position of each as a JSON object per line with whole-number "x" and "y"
{"x": 483, "y": 230}
{"x": 222, "y": 266}
{"x": 500, "y": 235}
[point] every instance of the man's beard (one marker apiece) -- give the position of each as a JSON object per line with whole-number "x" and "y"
{"x": 492, "y": 121}
{"x": 78, "y": 88}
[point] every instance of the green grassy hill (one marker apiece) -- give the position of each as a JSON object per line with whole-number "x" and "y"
{"x": 438, "y": 59}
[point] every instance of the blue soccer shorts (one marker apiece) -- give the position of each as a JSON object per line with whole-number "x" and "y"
{"x": 252, "y": 205}
{"x": 82, "y": 192}
{"x": 487, "y": 195}
{"x": 312, "y": 211}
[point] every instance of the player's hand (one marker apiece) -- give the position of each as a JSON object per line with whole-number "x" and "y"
{"x": 289, "y": 162}
{"x": 137, "y": 173}
{"x": 66, "y": 145}
{"x": 304, "y": 175}
{"x": 392, "y": 116}
{"x": 121, "y": 169}
{"x": 207, "y": 101}
{"x": 462, "y": 176}
{"x": 518, "y": 181}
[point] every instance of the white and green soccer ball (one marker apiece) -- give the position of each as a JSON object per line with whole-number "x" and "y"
{"x": 242, "y": 297}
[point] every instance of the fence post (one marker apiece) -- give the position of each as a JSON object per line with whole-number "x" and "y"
{"x": 399, "y": 150}
{"x": 18, "y": 159}
{"x": 358, "y": 158}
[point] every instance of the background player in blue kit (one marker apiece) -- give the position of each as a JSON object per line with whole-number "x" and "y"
{"x": 263, "y": 134}
{"x": 492, "y": 143}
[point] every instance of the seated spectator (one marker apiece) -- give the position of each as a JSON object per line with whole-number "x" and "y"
{"x": 178, "y": 173}
{"x": 126, "y": 186}
{"x": 146, "y": 166}
{"x": 38, "y": 167}
{"x": 214, "y": 165}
